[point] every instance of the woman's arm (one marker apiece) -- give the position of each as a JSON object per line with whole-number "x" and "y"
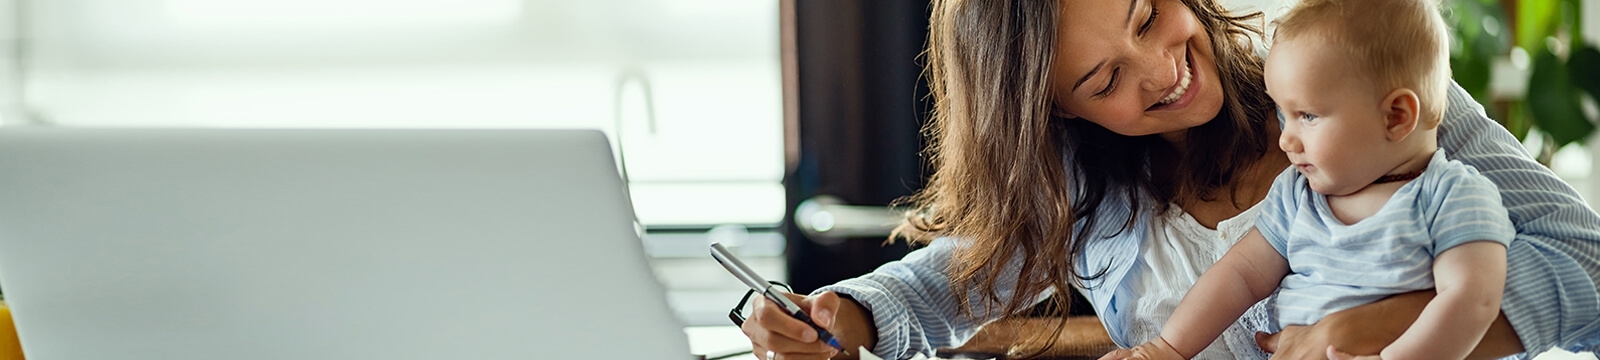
{"x": 909, "y": 305}
{"x": 1366, "y": 329}
{"x": 1469, "y": 279}
{"x": 1552, "y": 263}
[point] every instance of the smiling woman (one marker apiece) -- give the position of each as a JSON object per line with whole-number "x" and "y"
{"x": 1069, "y": 150}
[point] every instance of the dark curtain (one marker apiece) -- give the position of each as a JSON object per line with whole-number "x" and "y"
{"x": 861, "y": 103}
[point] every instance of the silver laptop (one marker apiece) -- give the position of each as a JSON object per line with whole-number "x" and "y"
{"x": 324, "y": 244}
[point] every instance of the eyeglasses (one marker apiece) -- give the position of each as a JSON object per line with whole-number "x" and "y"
{"x": 738, "y": 314}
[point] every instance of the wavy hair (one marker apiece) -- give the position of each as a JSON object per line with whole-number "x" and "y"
{"x": 1001, "y": 182}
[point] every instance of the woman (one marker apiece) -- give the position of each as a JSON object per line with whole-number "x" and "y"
{"x": 1120, "y": 146}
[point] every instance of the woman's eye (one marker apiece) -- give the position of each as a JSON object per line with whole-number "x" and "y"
{"x": 1110, "y": 84}
{"x": 1150, "y": 21}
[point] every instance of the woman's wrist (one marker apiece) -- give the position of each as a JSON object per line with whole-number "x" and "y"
{"x": 854, "y": 325}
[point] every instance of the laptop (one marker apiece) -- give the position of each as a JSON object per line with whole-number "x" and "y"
{"x": 324, "y": 244}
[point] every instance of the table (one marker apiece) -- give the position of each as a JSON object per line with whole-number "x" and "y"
{"x": 1083, "y": 338}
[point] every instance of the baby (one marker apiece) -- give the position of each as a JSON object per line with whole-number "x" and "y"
{"x": 1371, "y": 207}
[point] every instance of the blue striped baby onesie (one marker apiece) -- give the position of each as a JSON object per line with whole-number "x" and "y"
{"x": 1335, "y": 266}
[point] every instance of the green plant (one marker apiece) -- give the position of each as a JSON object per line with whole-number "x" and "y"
{"x": 1563, "y": 68}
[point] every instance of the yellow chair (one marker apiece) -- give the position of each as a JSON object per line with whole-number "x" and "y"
{"x": 10, "y": 347}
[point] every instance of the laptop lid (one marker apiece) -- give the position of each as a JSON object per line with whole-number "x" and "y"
{"x": 324, "y": 244}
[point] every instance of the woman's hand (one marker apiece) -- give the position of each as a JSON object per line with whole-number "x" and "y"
{"x": 1361, "y": 330}
{"x": 1303, "y": 342}
{"x": 1335, "y": 354}
{"x": 770, "y": 329}
{"x": 1118, "y": 354}
{"x": 1367, "y": 329}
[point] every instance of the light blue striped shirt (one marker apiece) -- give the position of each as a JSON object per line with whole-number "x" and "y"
{"x": 1550, "y": 296}
{"x": 1334, "y": 266}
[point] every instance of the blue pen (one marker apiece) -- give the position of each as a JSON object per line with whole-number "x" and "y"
{"x": 769, "y": 290}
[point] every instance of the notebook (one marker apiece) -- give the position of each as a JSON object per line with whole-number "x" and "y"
{"x": 324, "y": 244}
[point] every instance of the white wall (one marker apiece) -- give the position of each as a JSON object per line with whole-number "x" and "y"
{"x": 715, "y": 155}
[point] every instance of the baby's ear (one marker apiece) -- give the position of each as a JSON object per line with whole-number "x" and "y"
{"x": 1400, "y": 113}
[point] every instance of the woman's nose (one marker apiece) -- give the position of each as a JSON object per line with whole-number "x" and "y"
{"x": 1162, "y": 68}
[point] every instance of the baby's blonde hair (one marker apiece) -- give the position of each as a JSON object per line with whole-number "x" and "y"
{"x": 1393, "y": 43}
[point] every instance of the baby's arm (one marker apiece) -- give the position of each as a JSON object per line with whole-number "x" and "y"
{"x": 1469, "y": 278}
{"x": 1249, "y": 272}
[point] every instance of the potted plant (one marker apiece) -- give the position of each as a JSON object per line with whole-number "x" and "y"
{"x": 1542, "y": 38}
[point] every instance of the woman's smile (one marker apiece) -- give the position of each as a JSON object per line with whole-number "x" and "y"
{"x": 1151, "y": 72}
{"x": 1180, "y": 94}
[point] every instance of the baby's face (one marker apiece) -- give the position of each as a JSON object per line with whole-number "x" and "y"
{"x": 1333, "y": 128}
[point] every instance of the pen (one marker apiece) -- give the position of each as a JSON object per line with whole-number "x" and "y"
{"x": 757, "y": 283}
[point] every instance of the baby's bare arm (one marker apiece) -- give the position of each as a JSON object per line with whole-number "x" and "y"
{"x": 1249, "y": 272}
{"x": 1470, "y": 279}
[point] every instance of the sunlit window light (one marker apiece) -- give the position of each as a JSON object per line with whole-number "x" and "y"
{"x": 263, "y": 15}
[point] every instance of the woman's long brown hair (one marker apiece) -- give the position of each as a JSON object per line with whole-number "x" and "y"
{"x": 1001, "y": 185}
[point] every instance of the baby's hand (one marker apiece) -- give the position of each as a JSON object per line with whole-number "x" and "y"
{"x": 1156, "y": 349}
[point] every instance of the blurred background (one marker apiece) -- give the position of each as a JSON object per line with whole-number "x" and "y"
{"x": 782, "y": 127}
{"x": 689, "y": 91}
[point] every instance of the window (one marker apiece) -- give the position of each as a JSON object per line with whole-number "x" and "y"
{"x": 690, "y": 87}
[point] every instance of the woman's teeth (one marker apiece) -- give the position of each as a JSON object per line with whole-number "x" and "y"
{"x": 1183, "y": 85}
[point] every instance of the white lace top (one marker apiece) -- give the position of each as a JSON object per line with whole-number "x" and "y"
{"x": 1178, "y": 249}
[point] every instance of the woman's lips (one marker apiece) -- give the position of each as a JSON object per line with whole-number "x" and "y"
{"x": 1189, "y": 92}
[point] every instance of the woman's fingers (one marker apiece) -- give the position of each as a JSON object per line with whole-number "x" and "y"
{"x": 1294, "y": 343}
{"x": 772, "y": 317}
{"x": 771, "y": 329}
{"x": 822, "y": 308}
{"x": 775, "y": 341}
{"x": 759, "y": 352}
{"x": 1267, "y": 342}
{"x": 785, "y": 348}
{"x": 1284, "y": 339}
{"x": 1118, "y": 354}
{"x": 784, "y": 345}
{"x": 1335, "y": 354}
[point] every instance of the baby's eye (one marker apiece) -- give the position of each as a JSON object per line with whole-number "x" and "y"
{"x": 1308, "y": 117}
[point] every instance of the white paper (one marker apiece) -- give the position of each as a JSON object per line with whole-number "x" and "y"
{"x": 1556, "y": 353}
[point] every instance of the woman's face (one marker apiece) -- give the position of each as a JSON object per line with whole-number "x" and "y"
{"x": 1135, "y": 67}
